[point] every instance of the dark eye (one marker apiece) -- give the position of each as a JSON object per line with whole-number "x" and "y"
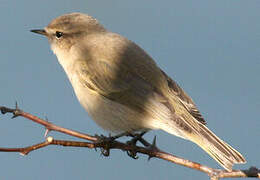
{"x": 58, "y": 34}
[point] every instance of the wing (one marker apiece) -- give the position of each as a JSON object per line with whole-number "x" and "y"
{"x": 118, "y": 83}
{"x": 185, "y": 99}
{"x": 122, "y": 71}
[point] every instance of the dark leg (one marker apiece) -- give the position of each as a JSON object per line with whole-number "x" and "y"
{"x": 137, "y": 137}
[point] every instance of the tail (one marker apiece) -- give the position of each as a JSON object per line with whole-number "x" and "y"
{"x": 223, "y": 153}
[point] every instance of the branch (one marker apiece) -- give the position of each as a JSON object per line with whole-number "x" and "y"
{"x": 107, "y": 143}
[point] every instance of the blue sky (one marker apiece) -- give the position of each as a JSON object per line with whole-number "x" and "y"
{"x": 211, "y": 48}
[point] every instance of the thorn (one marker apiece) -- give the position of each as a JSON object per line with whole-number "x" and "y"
{"x": 16, "y": 111}
{"x": 22, "y": 154}
{"x": 154, "y": 142}
{"x": 46, "y": 132}
{"x": 16, "y": 105}
{"x": 153, "y": 147}
{"x": 14, "y": 116}
{"x": 150, "y": 157}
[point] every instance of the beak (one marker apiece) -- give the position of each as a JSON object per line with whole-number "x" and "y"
{"x": 39, "y": 31}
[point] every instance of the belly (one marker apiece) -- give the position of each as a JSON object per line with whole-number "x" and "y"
{"x": 117, "y": 118}
{"x": 108, "y": 114}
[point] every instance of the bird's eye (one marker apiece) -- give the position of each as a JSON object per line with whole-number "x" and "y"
{"x": 58, "y": 34}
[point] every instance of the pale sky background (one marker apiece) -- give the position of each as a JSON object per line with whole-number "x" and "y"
{"x": 211, "y": 48}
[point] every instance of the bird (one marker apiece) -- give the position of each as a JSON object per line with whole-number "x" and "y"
{"x": 123, "y": 89}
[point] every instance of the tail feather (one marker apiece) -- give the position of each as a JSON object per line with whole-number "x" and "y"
{"x": 223, "y": 153}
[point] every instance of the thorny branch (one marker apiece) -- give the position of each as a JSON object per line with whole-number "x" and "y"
{"x": 108, "y": 143}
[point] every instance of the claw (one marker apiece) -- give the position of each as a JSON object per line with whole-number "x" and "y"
{"x": 132, "y": 142}
{"x": 104, "y": 144}
{"x": 132, "y": 154}
{"x": 105, "y": 152}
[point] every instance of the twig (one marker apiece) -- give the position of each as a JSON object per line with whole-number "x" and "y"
{"x": 49, "y": 126}
{"x": 105, "y": 144}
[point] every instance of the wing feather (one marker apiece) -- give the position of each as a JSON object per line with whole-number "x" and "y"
{"x": 185, "y": 99}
